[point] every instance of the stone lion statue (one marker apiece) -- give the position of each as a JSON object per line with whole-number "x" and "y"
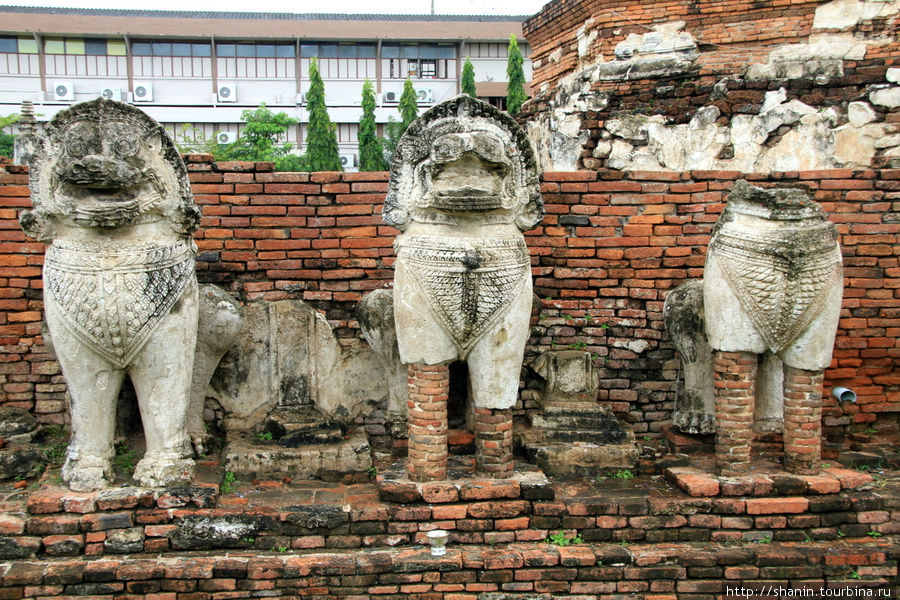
{"x": 111, "y": 196}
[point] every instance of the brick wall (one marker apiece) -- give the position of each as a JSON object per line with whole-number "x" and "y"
{"x": 612, "y": 245}
{"x": 731, "y": 35}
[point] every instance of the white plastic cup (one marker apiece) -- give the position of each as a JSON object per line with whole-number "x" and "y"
{"x": 438, "y": 540}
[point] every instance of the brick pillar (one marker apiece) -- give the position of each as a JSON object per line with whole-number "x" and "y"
{"x": 735, "y": 382}
{"x": 802, "y": 420}
{"x": 429, "y": 386}
{"x": 493, "y": 442}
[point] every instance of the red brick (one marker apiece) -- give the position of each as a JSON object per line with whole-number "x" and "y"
{"x": 11, "y": 525}
{"x": 46, "y": 500}
{"x": 850, "y": 479}
{"x": 769, "y": 506}
{"x": 694, "y": 482}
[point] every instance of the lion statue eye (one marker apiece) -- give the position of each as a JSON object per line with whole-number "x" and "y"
{"x": 125, "y": 147}
{"x": 76, "y": 147}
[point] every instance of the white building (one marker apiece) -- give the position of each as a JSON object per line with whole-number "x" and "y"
{"x": 206, "y": 68}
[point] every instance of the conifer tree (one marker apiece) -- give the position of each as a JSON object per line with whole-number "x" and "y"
{"x": 371, "y": 153}
{"x": 394, "y": 129}
{"x": 468, "y": 78}
{"x": 409, "y": 108}
{"x": 515, "y": 89}
{"x": 321, "y": 139}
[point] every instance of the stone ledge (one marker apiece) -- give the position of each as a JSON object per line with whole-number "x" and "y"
{"x": 527, "y": 482}
{"x": 768, "y": 483}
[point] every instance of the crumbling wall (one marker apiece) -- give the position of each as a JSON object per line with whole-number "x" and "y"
{"x": 678, "y": 85}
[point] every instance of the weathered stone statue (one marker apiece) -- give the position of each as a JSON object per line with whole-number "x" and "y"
{"x": 573, "y": 434}
{"x": 375, "y": 313}
{"x": 772, "y": 284}
{"x": 112, "y": 197}
{"x": 464, "y": 185}
{"x": 221, "y": 318}
{"x": 683, "y": 316}
{"x": 695, "y": 403}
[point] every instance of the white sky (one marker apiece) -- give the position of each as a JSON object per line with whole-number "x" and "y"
{"x": 457, "y": 7}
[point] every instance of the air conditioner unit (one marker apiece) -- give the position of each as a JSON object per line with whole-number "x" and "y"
{"x": 391, "y": 97}
{"x": 226, "y": 137}
{"x": 111, "y": 94}
{"x": 64, "y": 91}
{"x": 143, "y": 91}
{"x": 348, "y": 160}
{"x": 424, "y": 95}
{"x": 227, "y": 92}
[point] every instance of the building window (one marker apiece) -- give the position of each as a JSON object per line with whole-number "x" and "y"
{"x": 419, "y": 61}
{"x": 496, "y": 101}
{"x": 251, "y": 50}
{"x": 82, "y": 47}
{"x": 337, "y": 50}
{"x": 18, "y": 45}
{"x": 19, "y": 56}
{"x": 177, "y": 59}
{"x": 494, "y": 50}
{"x": 193, "y": 49}
{"x": 340, "y": 61}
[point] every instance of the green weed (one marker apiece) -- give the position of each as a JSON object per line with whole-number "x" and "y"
{"x": 124, "y": 458}
{"x": 559, "y": 539}
{"x": 229, "y": 483}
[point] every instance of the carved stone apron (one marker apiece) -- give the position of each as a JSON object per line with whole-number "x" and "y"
{"x": 467, "y": 285}
{"x": 782, "y": 278}
{"x": 113, "y": 296}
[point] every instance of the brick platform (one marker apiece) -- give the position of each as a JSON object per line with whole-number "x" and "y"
{"x": 768, "y": 481}
{"x": 526, "y": 482}
{"x": 308, "y": 515}
{"x": 535, "y": 571}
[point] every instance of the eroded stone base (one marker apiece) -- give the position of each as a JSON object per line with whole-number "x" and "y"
{"x": 560, "y": 457}
{"x": 246, "y": 456}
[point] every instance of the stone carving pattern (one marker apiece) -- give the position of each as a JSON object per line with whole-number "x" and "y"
{"x": 781, "y": 290}
{"x": 114, "y": 300}
{"x": 468, "y": 288}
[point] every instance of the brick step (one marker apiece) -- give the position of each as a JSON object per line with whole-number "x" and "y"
{"x": 538, "y": 570}
{"x": 763, "y": 482}
{"x": 305, "y": 515}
